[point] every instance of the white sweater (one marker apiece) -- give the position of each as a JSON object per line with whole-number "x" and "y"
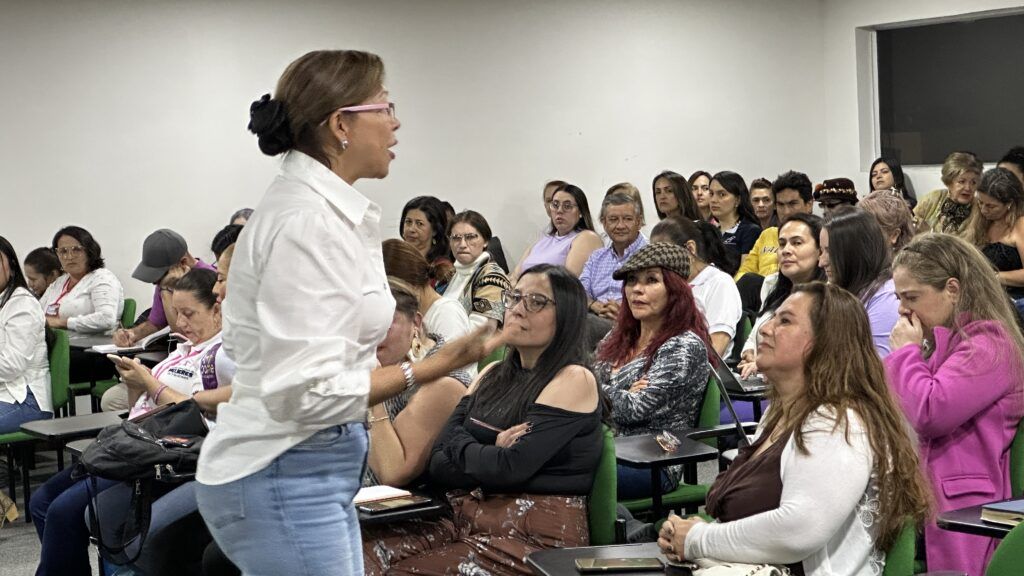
{"x": 94, "y": 305}
{"x": 826, "y": 513}
{"x": 24, "y": 364}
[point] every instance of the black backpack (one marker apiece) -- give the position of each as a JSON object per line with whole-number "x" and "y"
{"x": 162, "y": 445}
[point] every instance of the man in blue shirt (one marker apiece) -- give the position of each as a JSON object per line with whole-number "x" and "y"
{"x": 622, "y": 220}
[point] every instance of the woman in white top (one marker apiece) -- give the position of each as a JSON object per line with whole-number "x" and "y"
{"x": 782, "y": 501}
{"x": 478, "y": 282}
{"x": 309, "y": 304}
{"x": 24, "y": 367}
{"x": 442, "y": 316}
{"x": 87, "y": 298}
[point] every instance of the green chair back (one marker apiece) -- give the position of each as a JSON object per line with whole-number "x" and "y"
{"x": 60, "y": 370}
{"x": 1017, "y": 462}
{"x": 128, "y": 315}
{"x": 601, "y": 506}
{"x": 710, "y": 409}
{"x": 899, "y": 558}
{"x": 1008, "y": 558}
{"x": 497, "y": 356}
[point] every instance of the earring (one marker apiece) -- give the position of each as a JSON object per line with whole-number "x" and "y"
{"x": 344, "y": 145}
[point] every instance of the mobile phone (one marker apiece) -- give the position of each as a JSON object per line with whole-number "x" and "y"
{"x": 587, "y": 565}
{"x": 177, "y": 441}
{"x": 393, "y": 504}
{"x": 119, "y": 360}
{"x": 485, "y": 425}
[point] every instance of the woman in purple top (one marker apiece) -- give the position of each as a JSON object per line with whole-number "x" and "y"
{"x": 956, "y": 367}
{"x": 569, "y": 240}
{"x": 856, "y": 257}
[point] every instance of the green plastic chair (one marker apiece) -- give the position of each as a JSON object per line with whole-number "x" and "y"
{"x": 96, "y": 390}
{"x": 688, "y": 496}
{"x": 1008, "y": 558}
{"x": 21, "y": 445}
{"x": 1017, "y": 462}
{"x": 899, "y": 559}
{"x": 496, "y": 356}
{"x": 601, "y": 502}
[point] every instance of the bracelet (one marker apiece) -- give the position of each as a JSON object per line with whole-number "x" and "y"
{"x": 159, "y": 391}
{"x": 410, "y": 380}
{"x": 378, "y": 419}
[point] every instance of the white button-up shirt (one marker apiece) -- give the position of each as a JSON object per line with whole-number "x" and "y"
{"x": 94, "y": 305}
{"x": 309, "y": 303}
{"x": 24, "y": 364}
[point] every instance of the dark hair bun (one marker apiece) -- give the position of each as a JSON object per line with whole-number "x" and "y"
{"x": 268, "y": 120}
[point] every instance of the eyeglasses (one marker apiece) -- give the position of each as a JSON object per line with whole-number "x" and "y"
{"x": 557, "y": 206}
{"x": 389, "y": 107}
{"x": 532, "y": 302}
{"x": 68, "y": 251}
{"x": 456, "y": 238}
{"x": 667, "y": 441}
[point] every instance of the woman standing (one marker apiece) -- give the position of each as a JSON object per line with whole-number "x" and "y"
{"x": 956, "y": 367}
{"x": 309, "y": 304}
{"x": 478, "y": 282}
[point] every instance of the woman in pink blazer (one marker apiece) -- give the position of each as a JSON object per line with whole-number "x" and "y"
{"x": 957, "y": 369}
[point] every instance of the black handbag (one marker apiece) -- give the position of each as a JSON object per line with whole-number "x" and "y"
{"x": 161, "y": 445}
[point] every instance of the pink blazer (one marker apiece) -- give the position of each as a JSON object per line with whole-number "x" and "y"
{"x": 965, "y": 402}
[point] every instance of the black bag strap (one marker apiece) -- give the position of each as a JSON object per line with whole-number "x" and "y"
{"x": 135, "y": 527}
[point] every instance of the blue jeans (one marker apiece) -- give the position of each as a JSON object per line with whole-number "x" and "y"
{"x": 636, "y": 483}
{"x": 12, "y": 416}
{"x": 58, "y": 511}
{"x": 295, "y": 516}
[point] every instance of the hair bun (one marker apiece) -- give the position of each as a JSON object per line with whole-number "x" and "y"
{"x": 268, "y": 120}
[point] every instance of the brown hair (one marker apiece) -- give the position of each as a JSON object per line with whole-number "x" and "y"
{"x": 893, "y": 215}
{"x": 843, "y": 372}
{"x": 1003, "y": 186}
{"x": 407, "y": 302}
{"x": 317, "y": 84}
{"x": 474, "y": 219}
{"x": 403, "y": 261}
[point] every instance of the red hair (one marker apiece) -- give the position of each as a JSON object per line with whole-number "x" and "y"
{"x": 681, "y": 314}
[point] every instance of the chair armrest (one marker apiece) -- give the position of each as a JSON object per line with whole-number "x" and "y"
{"x": 720, "y": 430}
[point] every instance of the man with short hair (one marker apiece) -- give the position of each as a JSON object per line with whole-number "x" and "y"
{"x": 792, "y": 193}
{"x": 165, "y": 259}
{"x": 622, "y": 220}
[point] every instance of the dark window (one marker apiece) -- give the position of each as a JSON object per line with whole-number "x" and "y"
{"x": 951, "y": 86}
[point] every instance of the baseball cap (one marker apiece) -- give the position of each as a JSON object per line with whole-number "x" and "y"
{"x": 161, "y": 250}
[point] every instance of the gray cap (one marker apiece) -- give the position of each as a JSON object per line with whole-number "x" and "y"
{"x": 161, "y": 250}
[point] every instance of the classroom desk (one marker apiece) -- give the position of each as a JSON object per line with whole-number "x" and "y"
{"x": 59, "y": 431}
{"x": 562, "y": 561}
{"x": 77, "y": 447}
{"x": 968, "y": 521}
{"x": 80, "y": 341}
{"x": 753, "y": 397}
{"x": 643, "y": 451}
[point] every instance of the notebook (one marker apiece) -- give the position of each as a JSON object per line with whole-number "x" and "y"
{"x": 1010, "y": 512}
{"x": 378, "y": 493}
{"x": 139, "y": 346}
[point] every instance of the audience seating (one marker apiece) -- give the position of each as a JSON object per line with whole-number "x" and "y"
{"x": 899, "y": 558}
{"x": 497, "y": 356}
{"x": 20, "y": 444}
{"x": 83, "y": 388}
{"x": 1009, "y": 555}
{"x": 601, "y": 502}
{"x": 1017, "y": 462}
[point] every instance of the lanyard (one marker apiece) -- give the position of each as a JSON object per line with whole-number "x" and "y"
{"x": 67, "y": 288}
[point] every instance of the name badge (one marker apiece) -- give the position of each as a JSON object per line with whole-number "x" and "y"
{"x": 53, "y": 310}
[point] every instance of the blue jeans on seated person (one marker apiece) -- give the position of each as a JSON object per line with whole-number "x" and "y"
{"x": 58, "y": 511}
{"x": 295, "y": 516}
{"x": 12, "y": 416}
{"x": 636, "y": 483}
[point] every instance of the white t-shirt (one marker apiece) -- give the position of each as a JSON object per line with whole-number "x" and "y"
{"x": 24, "y": 364}
{"x": 448, "y": 319}
{"x": 719, "y": 301}
{"x": 179, "y": 371}
{"x": 94, "y": 305}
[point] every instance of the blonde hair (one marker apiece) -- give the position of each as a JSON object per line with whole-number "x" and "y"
{"x": 893, "y": 215}
{"x": 843, "y": 373}
{"x": 958, "y": 163}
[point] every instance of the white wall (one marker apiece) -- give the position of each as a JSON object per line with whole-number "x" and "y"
{"x": 129, "y": 116}
{"x": 841, "y": 19}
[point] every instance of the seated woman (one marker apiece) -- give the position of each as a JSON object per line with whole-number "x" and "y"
{"x": 523, "y": 487}
{"x": 87, "y": 297}
{"x": 711, "y": 270}
{"x": 673, "y": 197}
{"x": 887, "y": 174}
{"x": 999, "y": 232}
{"x": 855, "y": 257}
{"x": 442, "y": 316}
{"x": 478, "y": 282}
{"x": 956, "y": 367}
{"x": 569, "y": 239}
{"x": 782, "y": 500}
{"x": 42, "y": 268}
{"x": 1013, "y": 161}
{"x": 24, "y": 365}
{"x": 950, "y": 209}
{"x": 403, "y": 428}
{"x": 893, "y": 215}
{"x": 653, "y": 365}
{"x": 730, "y": 205}
{"x": 58, "y": 506}
{"x": 424, "y": 225}
{"x": 700, "y": 185}
{"x": 798, "y": 263}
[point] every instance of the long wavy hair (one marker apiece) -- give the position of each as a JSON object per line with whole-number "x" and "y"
{"x": 683, "y": 192}
{"x": 681, "y": 315}
{"x": 843, "y": 372}
{"x": 1003, "y": 186}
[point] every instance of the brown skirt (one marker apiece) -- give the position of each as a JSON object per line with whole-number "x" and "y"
{"x": 486, "y": 535}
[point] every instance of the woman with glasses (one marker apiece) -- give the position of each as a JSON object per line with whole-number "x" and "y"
{"x": 654, "y": 363}
{"x": 956, "y": 367}
{"x": 519, "y": 453}
{"x": 569, "y": 240}
{"x": 478, "y": 282}
{"x": 87, "y": 298}
{"x": 309, "y": 304}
